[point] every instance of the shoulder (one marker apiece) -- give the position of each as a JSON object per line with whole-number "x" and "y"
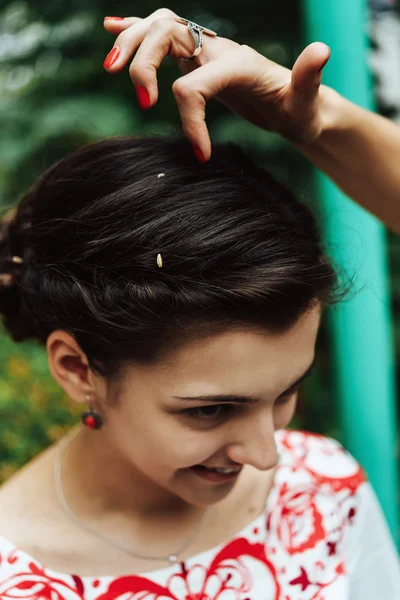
{"x": 324, "y": 459}
{"x": 318, "y": 492}
{"x": 320, "y": 472}
{"x": 325, "y": 485}
{"x": 26, "y": 500}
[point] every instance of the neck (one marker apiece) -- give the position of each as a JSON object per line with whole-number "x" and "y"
{"x": 97, "y": 481}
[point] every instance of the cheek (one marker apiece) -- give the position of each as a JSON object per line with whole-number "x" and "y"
{"x": 165, "y": 443}
{"x": 191, "y": 447}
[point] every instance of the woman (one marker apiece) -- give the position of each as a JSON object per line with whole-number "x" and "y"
{"x": 181, "y": 302}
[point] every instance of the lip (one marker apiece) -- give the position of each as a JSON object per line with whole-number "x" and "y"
{"x": 212, "y": 475}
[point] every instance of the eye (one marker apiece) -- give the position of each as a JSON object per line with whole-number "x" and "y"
{"x": 218, "y": 412}
{"x": 288, "y": 395}
{"x": 213, "y": 412}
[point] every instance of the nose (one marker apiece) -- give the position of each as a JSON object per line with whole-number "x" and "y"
{"x": 255, "y": 444}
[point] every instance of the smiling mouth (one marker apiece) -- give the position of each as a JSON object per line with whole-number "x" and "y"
{"x": 216, "y": 474}
{"x": 220, "y": 470}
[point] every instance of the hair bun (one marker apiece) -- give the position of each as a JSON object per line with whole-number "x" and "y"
{"x": 5, "y": 249}
{"x": 8, "y": 299}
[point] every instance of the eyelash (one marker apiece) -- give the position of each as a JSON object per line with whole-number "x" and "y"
{"x": 227, "y": 409}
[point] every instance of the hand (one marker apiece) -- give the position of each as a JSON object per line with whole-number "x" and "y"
{"x": 252, "y": 86}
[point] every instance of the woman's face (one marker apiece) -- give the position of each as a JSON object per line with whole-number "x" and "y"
{"x": 163, "y": 435}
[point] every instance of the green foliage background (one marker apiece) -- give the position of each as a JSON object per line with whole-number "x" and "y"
{"x": 55, "y": 96}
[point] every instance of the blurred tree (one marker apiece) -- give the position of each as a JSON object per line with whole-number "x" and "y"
{"x": 56, "y": 94}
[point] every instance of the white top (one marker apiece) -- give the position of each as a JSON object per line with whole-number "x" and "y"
{"x": 322, "y": 536}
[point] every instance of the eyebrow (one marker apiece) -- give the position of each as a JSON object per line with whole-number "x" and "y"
{"x": 238, "y": 399}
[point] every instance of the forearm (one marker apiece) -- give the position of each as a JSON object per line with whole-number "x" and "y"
{"x": 360, "y": 151}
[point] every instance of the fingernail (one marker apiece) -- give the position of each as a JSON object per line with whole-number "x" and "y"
{"x": 199, "y": 154}
{"x": 111, "y": 57}
{"x": 114, "y": 18}
{"x": 142, "y": 96}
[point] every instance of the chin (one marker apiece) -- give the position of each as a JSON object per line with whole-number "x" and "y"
{"x": 206, "y": 495}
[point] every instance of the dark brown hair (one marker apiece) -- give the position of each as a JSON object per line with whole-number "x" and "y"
{"x": 238, "y": 249}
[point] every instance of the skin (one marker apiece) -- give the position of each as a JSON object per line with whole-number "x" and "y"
{"x": 131, "y": 479}
{"x": 135, "y": 468}
{"x": 136, "y": 465}
{"x": 356, "y": 148}
{"x": 268, "y": 95}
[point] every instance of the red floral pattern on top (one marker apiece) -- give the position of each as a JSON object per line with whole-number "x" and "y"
{"x": 294, "y": 551}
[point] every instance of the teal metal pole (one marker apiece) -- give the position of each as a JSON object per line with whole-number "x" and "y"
{"x": 361, "y": 325}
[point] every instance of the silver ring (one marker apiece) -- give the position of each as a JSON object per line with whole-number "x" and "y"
{"x": 197, "y": 32}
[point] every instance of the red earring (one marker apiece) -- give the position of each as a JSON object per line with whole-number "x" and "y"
{"x": 90, "y": 417}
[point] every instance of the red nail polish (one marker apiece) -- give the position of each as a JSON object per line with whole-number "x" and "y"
{"x": 111, "y": 57}
{"x": 199, "y": 154}
{"x": 142, "y": 96}
{"x": 115, "y": 18}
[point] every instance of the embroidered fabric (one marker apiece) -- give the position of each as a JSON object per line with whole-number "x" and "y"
{"x": 323, "y": 536}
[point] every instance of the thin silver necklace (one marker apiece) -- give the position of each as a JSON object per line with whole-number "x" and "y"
{"x": 172, "y": 558}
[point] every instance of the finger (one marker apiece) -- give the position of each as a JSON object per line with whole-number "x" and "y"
{"x": 160, "y": 31}
{"x": 117, "y": 24}
{"x": 192, "y": 91}
{"x": 164, "y": 37}
{"x": 306, "y": 73}
{"x": 306, "y": 80}
{"x": 125, "y": 45}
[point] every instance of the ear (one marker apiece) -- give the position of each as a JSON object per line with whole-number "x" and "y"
{"x": 69, "y": 366}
